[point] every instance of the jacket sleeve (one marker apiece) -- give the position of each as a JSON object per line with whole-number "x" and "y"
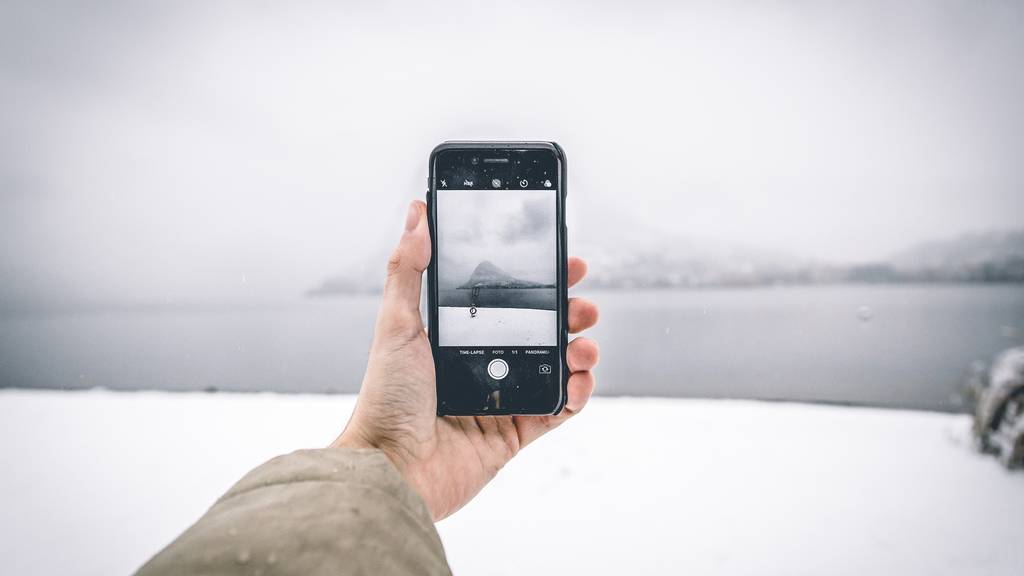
{"x": 330, "y": 511}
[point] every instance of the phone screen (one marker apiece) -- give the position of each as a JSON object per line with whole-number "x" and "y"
{"x": 498, "y": 269}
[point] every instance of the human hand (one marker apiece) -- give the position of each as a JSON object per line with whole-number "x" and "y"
{"x": 447, "y": 460}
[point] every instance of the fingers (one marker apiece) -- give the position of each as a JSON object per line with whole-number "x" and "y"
{"x": 408, "y": 261}
{"x": 580, "y": 388}
{"x": 577, "y": 270}
{"x": 583, "y": 314}
{"x": 582, "y": 355}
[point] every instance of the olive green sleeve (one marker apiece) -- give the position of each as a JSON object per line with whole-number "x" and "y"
{"x": 331, "y": 511}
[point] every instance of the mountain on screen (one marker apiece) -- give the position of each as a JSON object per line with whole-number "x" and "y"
{"x": 487, "y": 275}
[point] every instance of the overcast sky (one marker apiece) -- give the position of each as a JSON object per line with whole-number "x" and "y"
{"x": 512, "y": 229}
{"x": 244, "y": 151}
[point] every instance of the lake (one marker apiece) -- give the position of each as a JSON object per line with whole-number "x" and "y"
{"x": 896, "y": 346}
{"x": 536, "y": 298}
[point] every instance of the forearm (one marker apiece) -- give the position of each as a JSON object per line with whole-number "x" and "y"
{"x": 330, "y": 511}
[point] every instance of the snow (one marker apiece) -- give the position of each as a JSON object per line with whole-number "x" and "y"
{"x": 497, "y": 326}
{"x": 95, "y": 482}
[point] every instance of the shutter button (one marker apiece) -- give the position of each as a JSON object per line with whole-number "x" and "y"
{"x": 497, "y": 369}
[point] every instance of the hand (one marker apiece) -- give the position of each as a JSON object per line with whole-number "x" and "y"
{"x": 447, "y": 460}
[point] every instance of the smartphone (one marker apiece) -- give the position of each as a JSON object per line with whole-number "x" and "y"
{"x": 496, "y": 291}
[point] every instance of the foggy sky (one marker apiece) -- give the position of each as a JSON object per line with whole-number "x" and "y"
{"x": 241, "y": 152}
{"x": 513, "y": 229}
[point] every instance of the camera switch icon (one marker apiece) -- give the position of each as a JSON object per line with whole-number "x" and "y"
{"x": 544, "y": 369}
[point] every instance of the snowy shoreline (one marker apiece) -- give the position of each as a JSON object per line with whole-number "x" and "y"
{"x": 961, "y": 410}
{"x": 643, "y": 485}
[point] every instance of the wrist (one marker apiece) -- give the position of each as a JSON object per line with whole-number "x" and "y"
{"x": 353, "y": 437}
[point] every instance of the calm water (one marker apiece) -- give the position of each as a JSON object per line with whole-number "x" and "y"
{"x": 537, "y": 298}
{"x": 906, "y": 346}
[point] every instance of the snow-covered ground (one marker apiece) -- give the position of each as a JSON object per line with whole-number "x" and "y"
{"x": 497, "y": 326}
{"x": 95, "y": 482}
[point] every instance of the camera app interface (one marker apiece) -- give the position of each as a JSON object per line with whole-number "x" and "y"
{"x": 497, "y": 279}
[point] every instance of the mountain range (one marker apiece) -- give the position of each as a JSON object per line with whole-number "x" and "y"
{"x": 981, "y": 257}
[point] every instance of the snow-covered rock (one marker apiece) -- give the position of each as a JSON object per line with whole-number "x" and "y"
{"x": 999, "y": 414}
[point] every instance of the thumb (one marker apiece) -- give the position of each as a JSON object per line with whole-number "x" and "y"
{"x": 407, "y": 263}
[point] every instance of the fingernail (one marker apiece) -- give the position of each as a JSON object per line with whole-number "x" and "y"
{"x": 413, "y": 218}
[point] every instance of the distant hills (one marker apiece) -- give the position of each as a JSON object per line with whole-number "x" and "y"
{"x": 676, "y": 263}
{"x": 989, "y": 257}
{"x": 487, "y": 275}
